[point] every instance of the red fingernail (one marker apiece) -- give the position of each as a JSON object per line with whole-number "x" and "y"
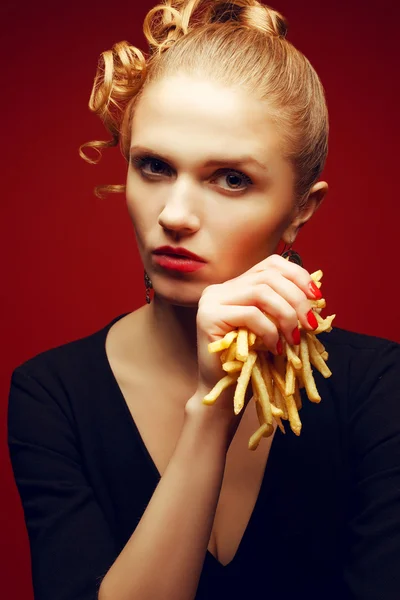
{"x": 296, "y": 335}
{"x": 312, "y": 320}
{"x": 279, "y": 348}
{"x": 315, "y": 291}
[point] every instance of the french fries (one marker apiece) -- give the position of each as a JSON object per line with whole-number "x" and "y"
{"x": 276, "y": 380}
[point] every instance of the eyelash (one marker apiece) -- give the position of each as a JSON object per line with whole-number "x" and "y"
{"x": 140, "y": 161}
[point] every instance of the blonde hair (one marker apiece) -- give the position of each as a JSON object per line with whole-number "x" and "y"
{"x": 241, "y": 44}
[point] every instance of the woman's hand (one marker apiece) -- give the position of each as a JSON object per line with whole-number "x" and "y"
{"x": 275, "y": 286}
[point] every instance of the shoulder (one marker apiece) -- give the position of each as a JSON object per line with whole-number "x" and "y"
{"x": 358, "y": 352}
{"x": 50, "y": 392}
{"x": 67, "y": 362}
{"x": 361, "y": 366}
{"x": 352, "y": 340}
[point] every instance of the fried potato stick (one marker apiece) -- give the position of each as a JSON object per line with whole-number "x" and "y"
{"x": 293, "y": 356}
{"x": 263, "y": 364}
{"x": 308, "y": 379}
{"x": 276, "y": 412}
{"x": 219, "y": 387}
{"x": 262, "y": 393}
{"x": 279, "y": 402}
{"x": 261, "y": 419}
{"x": 266, "y": 373}
{"x": 317, "y": 276}
{"x": 316, "y": 359}
{"x": 231, "y": 354}
{"x": 278, "y": 396}
{"x": 243, "y": 382}
{"x": 232, "y": 366}
{"x": 252, "y": 338}
{"x": 294, "y": 419}
{"x": 256, "y": 437}
{"x": 323, "y": 324}
{"x": 289, "y": 401}
{"x": 318, "y": 303}
{"x": 242, "y": 344}
{"x": 223, "y": 343}
{"x": 290, "y": 380}
{"x": 280, "y": 425}
{"x": 317, "y": 343}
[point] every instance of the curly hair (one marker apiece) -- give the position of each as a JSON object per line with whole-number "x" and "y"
{"x": 241, "y": 44}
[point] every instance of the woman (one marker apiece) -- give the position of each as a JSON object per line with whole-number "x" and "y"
{"x": 132, "y": 488}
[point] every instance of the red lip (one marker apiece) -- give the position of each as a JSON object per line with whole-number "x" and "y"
{"x": 170, "y": 251}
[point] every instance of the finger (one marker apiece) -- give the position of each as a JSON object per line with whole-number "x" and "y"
{"x": 291, "y": 292}
{"x": 266, "y": 299}
{"x": 298, "y": 275}
{"x": 228, "y": 317}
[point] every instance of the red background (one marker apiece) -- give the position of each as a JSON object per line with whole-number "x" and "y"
{"x": 71, "y": 261}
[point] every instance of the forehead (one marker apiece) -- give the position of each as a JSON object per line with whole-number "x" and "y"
{"x": 186, "y": 111}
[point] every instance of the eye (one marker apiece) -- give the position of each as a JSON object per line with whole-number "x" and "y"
{"x": 235, "y": 180}
{"x": 150, "y": 166}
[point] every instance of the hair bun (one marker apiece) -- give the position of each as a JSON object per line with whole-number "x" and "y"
{"x": 250, "y": 13}
{"x": 168, "y": 21}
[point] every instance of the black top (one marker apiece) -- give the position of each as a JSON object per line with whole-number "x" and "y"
{"x": 326, "y": 524}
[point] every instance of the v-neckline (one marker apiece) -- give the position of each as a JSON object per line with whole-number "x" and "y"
{"x": 153, "y": 466}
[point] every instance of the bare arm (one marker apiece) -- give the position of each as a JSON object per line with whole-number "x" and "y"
{"x": 164, "y": 557}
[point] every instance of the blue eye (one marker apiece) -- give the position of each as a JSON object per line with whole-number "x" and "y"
{"x": 148, "y": 165}
{"x": 235, "y": 179}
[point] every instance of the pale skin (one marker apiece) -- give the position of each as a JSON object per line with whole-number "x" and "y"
{"x": 210, "y": 481}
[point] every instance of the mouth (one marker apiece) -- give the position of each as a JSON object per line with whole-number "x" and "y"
{"x": 180, "y": 253}
{"x": 177, "y": 259}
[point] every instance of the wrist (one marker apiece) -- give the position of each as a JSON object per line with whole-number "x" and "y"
{"x": 215, "y": 420}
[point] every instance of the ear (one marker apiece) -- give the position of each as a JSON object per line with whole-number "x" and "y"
{"x": 314, "y": 201}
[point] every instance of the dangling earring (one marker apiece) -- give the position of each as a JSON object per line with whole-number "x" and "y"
{"x": 292, "y": 255}
{"x": 149, "y": 286}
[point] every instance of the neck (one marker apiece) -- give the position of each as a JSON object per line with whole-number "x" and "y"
{"x": 173, "y": 330}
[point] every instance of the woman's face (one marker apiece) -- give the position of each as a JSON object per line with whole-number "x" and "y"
{"x": 206, "y": 173}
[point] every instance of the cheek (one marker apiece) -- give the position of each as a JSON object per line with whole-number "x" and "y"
{"x": 246, "y": 239}
{"x": 252, "y": 241}
{"x": 140, "y": 211}
{"x": 249, "y": 229}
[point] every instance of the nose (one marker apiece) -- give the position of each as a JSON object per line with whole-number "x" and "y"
{"x": 179, "y": 213}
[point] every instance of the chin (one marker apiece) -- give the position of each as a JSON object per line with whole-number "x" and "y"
{"x": 176, "y": 300}
{"x": 187, "y": 305}
{"x": 179, "y": 293}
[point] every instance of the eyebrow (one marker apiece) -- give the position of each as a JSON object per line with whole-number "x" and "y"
{"x": 237, "y": 161}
